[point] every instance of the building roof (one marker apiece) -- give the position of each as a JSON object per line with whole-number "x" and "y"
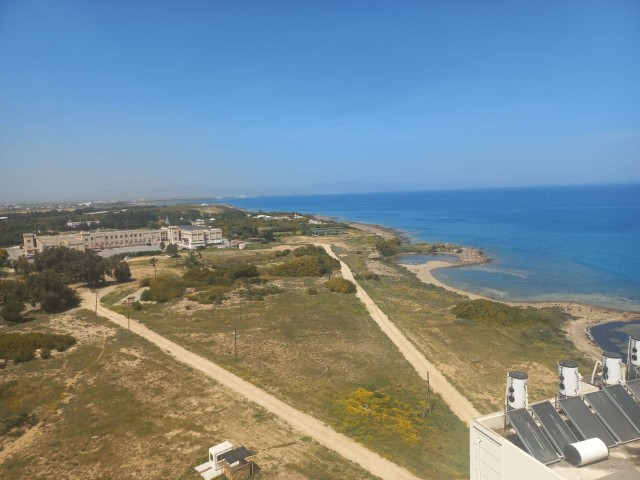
{"x": 235, "y": 455}
{"x": 194, "y": 227}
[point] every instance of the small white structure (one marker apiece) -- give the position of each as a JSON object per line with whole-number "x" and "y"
{"x": 213, "y": 467}
{"x": 586, "y": 452}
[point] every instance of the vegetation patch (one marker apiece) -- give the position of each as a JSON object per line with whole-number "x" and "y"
{"x": 163, "y": 288}
{"x": 388, "y": 248}
{"x": 21, "y": 347}
{"x": 367, "y": 413}
{"x": 260, "y": 292}
{"x": 341, "y": 285}
{"x": 308, "y": 261}
{"x": 502, "y": 315}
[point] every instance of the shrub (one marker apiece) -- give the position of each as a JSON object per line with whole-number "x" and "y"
{"x": 137, "y": 306}
{"x": 163, "y": 288}
{"x": 309, "y": 261}
{"x": 312, "y": 291}
{"x": 387, "y": 248}
{"x": 500, "y": 314}
{"x": 366, "y": 412}
{"x": 260, "y": 293}
{"x": 211, "y": 295}
{"x": 145, "y": 282}
{"x": 341, "y": 285}
{"x": 21, "y": 347}
{"x": 146, "y": 296}
{"x": 12, "y": 311}
{"x": 23, "y": 354}
{"x": 368, "y": 276}
{"x": 45, "y": 353}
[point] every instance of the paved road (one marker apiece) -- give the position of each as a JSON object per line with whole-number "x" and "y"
{"x": 456, "y": 401}
{"x": 302, "y": 422}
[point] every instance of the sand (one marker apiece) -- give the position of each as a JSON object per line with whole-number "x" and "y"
{"x": 584, "y": 316}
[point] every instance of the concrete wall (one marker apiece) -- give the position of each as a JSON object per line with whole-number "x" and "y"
{"x": 493, "y": 457}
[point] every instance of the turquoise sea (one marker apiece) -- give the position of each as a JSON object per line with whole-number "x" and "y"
{"x": 579, "y": 243}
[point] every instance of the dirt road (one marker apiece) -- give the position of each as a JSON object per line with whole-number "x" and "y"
{"x": 302, "y": 422}
{"x": 456, "y": 401}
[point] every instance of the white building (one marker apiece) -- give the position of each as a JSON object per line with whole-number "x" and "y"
{"x": 192, "y": 236}
{"x": 188, "y": 236}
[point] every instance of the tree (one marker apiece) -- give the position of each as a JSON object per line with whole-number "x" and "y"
{"x": 121, "y": 272}
{"x": 162, "y": 246}
{"x": 153, "y": 262}
{"x": 48, "y": 289}
{"x": 93, "y": 269}
{"x": 22, "y": 266}
{"x": 269, "y": 236}
{"x": 172, "y": 249}
{"x": 192, "y": 261}
{"x": 12, "y": 311}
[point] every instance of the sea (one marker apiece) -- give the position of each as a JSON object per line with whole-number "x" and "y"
{"x": 569, "y": 243}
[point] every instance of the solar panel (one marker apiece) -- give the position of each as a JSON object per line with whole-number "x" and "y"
{"x": 585, "y": 421}
{"x": 531, "y": 436}
{"x": 634, "y": 387}
{"x": 558, "y": 432}
{"x": 626, "y": 403}
{"x": 612, "y": 417}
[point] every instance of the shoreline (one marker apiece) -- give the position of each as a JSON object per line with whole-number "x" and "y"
{"x": 578, "y": 329}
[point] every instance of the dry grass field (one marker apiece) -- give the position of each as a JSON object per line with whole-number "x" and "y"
{"x": 115, "y": 406}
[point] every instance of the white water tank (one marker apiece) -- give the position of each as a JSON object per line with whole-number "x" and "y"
{"x": 611, "y": 368}
{"x": 634, "y": 351}
{"x": 517, "y": 389}
{"x": 568, "y": 378}
{"x": 586, "y": 452}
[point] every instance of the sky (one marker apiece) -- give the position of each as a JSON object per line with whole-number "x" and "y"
{"x": 158, "y": 99}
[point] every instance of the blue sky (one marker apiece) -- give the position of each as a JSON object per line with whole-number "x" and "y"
{"x": 119, "y": 99}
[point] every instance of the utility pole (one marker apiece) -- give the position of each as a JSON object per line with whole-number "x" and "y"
{"x": 235, "y": 342}
{"x": 427, "y": 407}
{"x": 129, "y": 315}
{"x": 96, "y": 305}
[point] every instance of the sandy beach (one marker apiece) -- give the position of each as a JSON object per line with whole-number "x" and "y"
{"x": 585, "y": 316}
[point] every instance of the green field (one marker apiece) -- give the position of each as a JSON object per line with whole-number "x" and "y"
{"x": 315, "y": 352}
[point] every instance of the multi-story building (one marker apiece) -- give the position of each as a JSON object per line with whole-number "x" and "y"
{"x": 192, "y": 236}
{"x": 186, "y": 236}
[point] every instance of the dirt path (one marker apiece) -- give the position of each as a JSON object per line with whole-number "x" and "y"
{"x": 302, "y": 422}
{"x": 456, "y": 401}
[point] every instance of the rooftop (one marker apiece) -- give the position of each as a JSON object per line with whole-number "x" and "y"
{"x": 623, "y": 462}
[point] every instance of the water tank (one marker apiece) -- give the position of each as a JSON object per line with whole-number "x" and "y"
{"x": 568, "y": 378}
{"x": 611, "y": 368}
{"x": 586, "y": 452}
{"x": 634, "y": 354}
{"x": 517, "y": 389}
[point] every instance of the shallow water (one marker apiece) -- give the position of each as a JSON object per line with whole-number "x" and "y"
{"x": 614, "y": 336}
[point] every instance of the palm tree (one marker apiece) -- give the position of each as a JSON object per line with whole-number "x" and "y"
{"x": 153, "y": 262}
